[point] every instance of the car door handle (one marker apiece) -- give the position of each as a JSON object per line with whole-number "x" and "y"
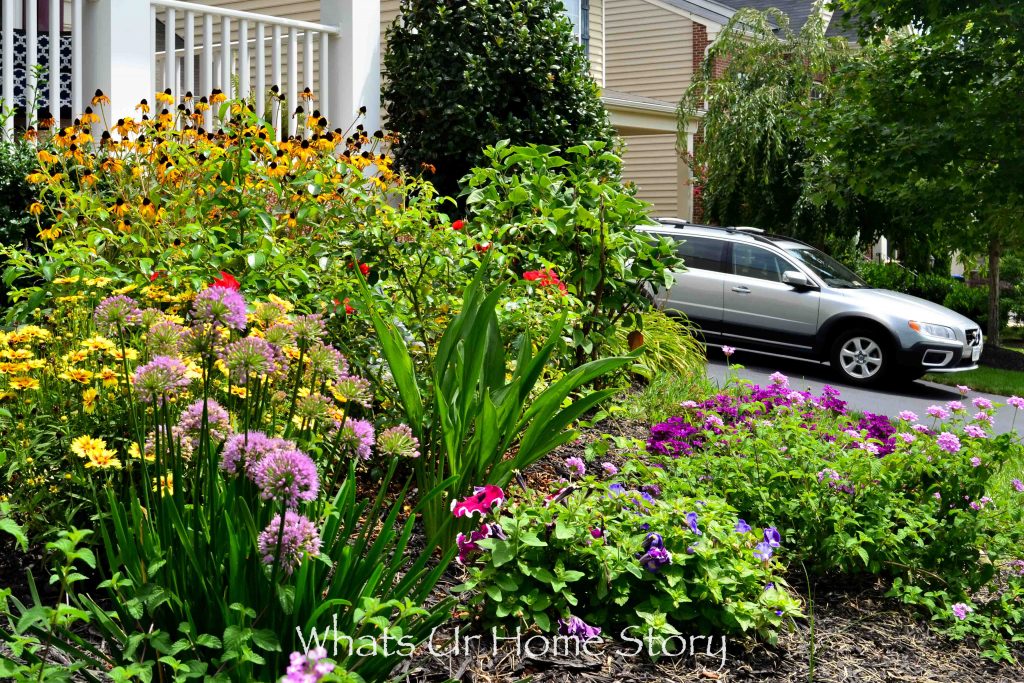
{"x": 741, "y": 290}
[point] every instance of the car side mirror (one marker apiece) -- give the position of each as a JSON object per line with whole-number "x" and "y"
{"x": 796, "y": 279}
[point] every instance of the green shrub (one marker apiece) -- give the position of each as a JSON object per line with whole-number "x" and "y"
{"x": 973, "y": 303}
{"x": 465, "y": 74}
{"x": 930, "y": 286}
{"x": 17, "y": 160}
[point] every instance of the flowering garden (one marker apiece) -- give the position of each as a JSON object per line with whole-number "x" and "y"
{"x": 253, "y": 391}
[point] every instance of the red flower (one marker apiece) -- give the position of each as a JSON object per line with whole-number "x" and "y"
{"x": 482, "y": 248}
{"x": 364, "y": 269}
{"x": 348, "y": 309}
{"x": 155, "y": 275}
{"x": 484, "y": 500}
{"x": 227, "y": 280}
{"x": 458, "y": 225}
{"x": 545, "y": 278}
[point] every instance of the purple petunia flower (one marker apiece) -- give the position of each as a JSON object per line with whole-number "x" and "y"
{"x": 577, "y": 628}
{"x": 485, "y": 499}
{"x": 116, "y": 313}
{"x": 742, "y": 527}
{"x": 220, "y": 307}
{"x": 288, "y": 476}
{"x": 772, "y": 537}
{"x": 296, "y": 539}
{"x": 160, "y": 379}
{"x": 763, "y": 551}
{"x": 654, "y": 556}
{"x": 691, "y": 521}
{"x": 576, "y": 465}
{"x": 467, "y": 544}
{"x": 948, "y": 442}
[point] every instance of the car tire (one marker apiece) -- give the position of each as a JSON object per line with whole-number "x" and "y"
{"x": 862, "y": 357}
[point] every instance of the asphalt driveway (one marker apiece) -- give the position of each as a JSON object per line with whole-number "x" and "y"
{"x": 916, "y": 396}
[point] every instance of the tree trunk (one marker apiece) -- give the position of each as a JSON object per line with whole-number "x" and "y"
{"x": 994, "y": 253}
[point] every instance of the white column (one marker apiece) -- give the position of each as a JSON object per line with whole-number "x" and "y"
{"x": 225, "y": 56}
{"x": 8, "y": 56}
{"x": 206, "y": 67}
{"x": 119, "y": 60}
{"x": 293, "y": 80}
{"x": 243, "y": 58}
{"x": 54, "y": 68}
{"x": 261, "y": 68}
{"x": 77, "y": 40}
{"x": 170, "y": 55}
{"x": 189, "y": 65}
{"x": 354, "y": 60}
{"x": 32, "y": 58}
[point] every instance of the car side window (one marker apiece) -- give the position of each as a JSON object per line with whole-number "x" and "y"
{"x": 702, "y": 253}
{"x": 751, "y": 261}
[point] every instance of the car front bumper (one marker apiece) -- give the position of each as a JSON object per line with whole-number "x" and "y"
{"x": 933, "y": 356}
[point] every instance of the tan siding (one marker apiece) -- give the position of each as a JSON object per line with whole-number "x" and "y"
{"x": 596, "y": 48}
{"x": 648, "y": 50}
{"x": 302, "y": 10}
{"x": 651, "y": 162}
{"x": 389, "y": 9}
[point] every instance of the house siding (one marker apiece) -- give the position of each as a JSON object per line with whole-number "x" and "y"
{"x": 652, "y": 163}
{"x": 649, "y": 50}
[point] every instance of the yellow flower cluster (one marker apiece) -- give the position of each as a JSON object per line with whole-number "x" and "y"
{"x": 95, "y": 452}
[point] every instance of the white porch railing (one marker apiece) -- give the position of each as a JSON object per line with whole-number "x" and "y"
{"x": 114, "y": 48}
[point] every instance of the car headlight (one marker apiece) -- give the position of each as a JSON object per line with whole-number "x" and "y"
{"x": 932, "y": 330}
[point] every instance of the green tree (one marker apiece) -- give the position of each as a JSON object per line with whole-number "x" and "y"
{"x": 758, "y": 113}
{"x": 933, "y": 117}
{"x": 464, "y": 74}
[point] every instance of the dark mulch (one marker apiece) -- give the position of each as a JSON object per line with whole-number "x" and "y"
{"x": 1002, "y": 358}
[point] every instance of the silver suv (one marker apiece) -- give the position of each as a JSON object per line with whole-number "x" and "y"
{"x": 774, "y": 294}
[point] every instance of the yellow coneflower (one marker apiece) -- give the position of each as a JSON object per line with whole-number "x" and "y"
{"x": 165, "y": 97}
{"x": 99, "y": 98}
{"x": 98, "y": 343}
{"x": 31, "y": 134}
{"x": 202, "y": 105}
{"x": 85, "y": 445}
{"x": 188, "y": 96}
{"x": 108, "y": 377}
{"x": 216, "y": 97}
{"x": 164, "y": 118}
{"x": 112, "y": 165}
{"x": 46, "y": 122}
{"x": 36, "y": 178}
{"x": 50, "y": 233}
{"x": 143, "y": 106}
{"x": 105, "y": 459}
{"x": 120, "y": 208}
{"x": 148, "y": 208}
{"x": 124, "y": 226}
{"x": 133, "y": 452}
{"x": 22, "y": 383}
{"x": 276, "y": 170}
{"x": 88, "y": 179}
{"x": 126, "y": 127}
{"x": 45, "y": 157}
{"x": 89, "y": 117}
{"x": 90, "y": 397}
{"x": 307, "y": 95}
{"x": 79, "y": 375}
{"x": 36, "y": 208}
{"x": 164, "y": 484}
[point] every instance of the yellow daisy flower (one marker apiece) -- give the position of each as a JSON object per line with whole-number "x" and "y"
{"x": 20, "y": 383}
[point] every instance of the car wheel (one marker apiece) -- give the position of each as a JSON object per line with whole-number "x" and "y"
{"x": 861, "y": 357}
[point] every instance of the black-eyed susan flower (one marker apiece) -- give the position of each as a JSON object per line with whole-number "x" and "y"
{"x": 165, "y": 97}
{"x": 99, "y": 98}
{"x": 143, "y": 106}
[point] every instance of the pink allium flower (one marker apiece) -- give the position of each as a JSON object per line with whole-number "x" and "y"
{"x": 298, "y": 538}
{"x": 484, "y": 500}
{"x": 908, "y": 416}
{"x": 357, "y": 437}
{"x": 982, "y": 403}
{"x": 288, "y": 476}
{"x": 398, "y": 441}
{"x": 116, "y": 313}
{"x": 159, "y": 379}
{"x": 190, "y": 423}
{"x": 245, "y": 450}
{"x": 220, "y": 307}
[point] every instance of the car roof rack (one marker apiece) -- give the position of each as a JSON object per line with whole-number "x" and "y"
{"x": 673, "y": 221}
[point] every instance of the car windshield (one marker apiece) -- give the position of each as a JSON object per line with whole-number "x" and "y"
{"x": 834, "y": 273}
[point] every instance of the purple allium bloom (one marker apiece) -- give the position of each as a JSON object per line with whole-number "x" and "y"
{"x": 115, "y": 313}
{"x": 948, "y": 442}
{"x": 577, "y": 628}
{"x": 357, "y": 438}
{"x": 1016, "y": 401}
{"x": 955, "y": 406}
{"x": 190, "y": 423}
{"x": 220, "y": 307}
{"x": 779, "y": 379}
{"x": 975, "y": 431}
{"x": 655, "y": 556}
{"x": 249, "y": 358}
{"x": 960, "y": 610}
{"x": 165, "y": 338}
{"x": 763, "y": 551}
{"x": 975, "y": 462}
{"x": 398, "y": 441}
{"x": 467, "y": 544}
{"x": 576, "y": 465}
{"x": 691, "y": 521}
{"x": 280, "y": 334}
{"x": 728, "y": 351}
{"x": 742, "y": 527}
{"x": 298, "y": 538}
{"x": 288, "y": 476}
{"x": 245, "y": 450}
{"x": 609, "y": 469}
{"x": 1018, "y": 485}
{"x": 309, "y": 667}
{"x": 326, "y": 362}
{"x": 907, "y": 416}
{"x": 309, "y": 328}
{"x": 772, "y": 537}
{"x": 161, "y": 378}
{"x": 982, "y": 403}
{"x": 938, "y": 412}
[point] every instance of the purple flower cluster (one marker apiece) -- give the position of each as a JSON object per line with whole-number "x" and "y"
{"x": 835, "y": 481}
{"x": 309, "y": 667}
{"x": 190, "y": 423}
{"x": 467, "y": 544}
{"x": 357, "y": 437}
{"x": 288, "y": 476}
{"x": 245, "y": 450}
{"x": 220, "y": 307}
{"x": 160, "y": 379}
{"x": 249, "y": 358}
{"x": 398, "y": 441}
{"x": 575, "y": 627}
{"x": 116, "y": 313}
{"x": 654, "y": 555}
{"x": 879, "y": 428}
{"x": 297, "y": 538}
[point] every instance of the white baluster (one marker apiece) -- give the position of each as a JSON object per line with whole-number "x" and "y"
{"x": 261, "y": 69}
{"x": 152, "y": 58}
{"x": 55, "y": 6}
{"x": 225, "y": 56}
{"x": 293, "y": 76}
{"x": 206, "y": 65}
{"x": 31, "y": 60}
{"x": 170, "y": 53}
{"x": 323, "y": 97}
{"x": 77, "y": 33}
{"x": 189, "y": 65}
{"x": 307, "y": 60}
{"x": 243, "y": 58}
{"x": 275, "y": 73}
{"x": 8, "y": 57}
